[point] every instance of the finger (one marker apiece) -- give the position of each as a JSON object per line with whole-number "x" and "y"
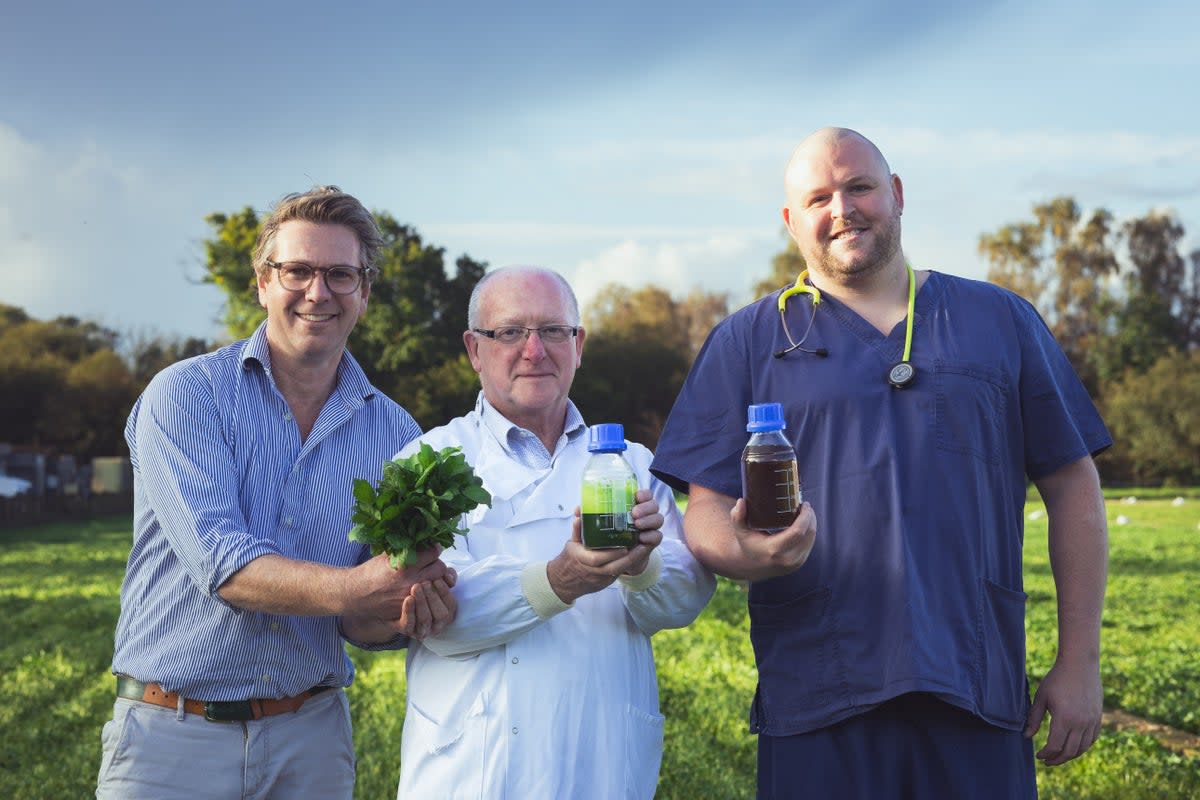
{"x": 577, "y": 528}
{"x": 451, "y": 604}
{"x": 804, "y": 523}
{"x": 405, "y": 623}
{"x": 1036, "y": 714}
{"x": 639, "y": 558}
{"x": 1073, "y": 746}
{"x": 427, "y": 555}
{"x": 737, "y": 514}
{"x": 1055, "y": 742}
{"x": 431, "y": 572}
{"x": 649, "y": 522}
{"x": 644, "y": 496}
{"x": 451, "y": 577}
{"x": 645, "y": 508}
{"x": 439, "y": 612}
{"x": 424, "y": 617}
{"x": 650, "y": 539}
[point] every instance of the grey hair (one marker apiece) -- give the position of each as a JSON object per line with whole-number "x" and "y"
{"x": 477, "y": 293}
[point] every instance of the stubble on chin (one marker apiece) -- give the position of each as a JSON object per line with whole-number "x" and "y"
{"x": 856, "y": 266}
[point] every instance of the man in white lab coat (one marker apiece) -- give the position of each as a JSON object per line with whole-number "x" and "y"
{"x": 544, "y": 686}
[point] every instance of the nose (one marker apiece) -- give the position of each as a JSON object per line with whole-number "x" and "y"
{"x": 841, "y": 205}
{"x": 318, "y": 289}
{"x": 533, "y": 349}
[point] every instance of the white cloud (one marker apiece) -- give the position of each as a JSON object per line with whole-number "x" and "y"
{"x": 721, "y": 263}
{"x": 1028, "y": 147}
{"x": 84, "y": 235}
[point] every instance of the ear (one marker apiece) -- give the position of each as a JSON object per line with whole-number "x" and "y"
{"x": 579, "y": 337}
{"x": 898, "y": 192}
{"x": 262, "y": 290}
{"x": 471, "y": 342}
{"x": 787, "y": 223}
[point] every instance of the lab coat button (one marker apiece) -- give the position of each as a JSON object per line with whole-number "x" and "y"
{"x": 516, "y": 660}
{"x": 514, "y": 730}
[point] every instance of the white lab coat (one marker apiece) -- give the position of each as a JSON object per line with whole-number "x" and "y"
{"x": 510, "y": 703}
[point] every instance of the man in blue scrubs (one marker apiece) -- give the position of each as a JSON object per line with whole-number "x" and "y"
{"x": 890, "y": 645}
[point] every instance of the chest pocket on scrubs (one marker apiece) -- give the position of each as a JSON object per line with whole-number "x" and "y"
{"x": 971, "y": 402}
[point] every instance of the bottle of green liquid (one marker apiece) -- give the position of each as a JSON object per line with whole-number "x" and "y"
{"x": 609, "y": 487}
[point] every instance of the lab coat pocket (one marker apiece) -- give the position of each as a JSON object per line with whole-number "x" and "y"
{"x": 443, "y": 759}
{"x": 643, "y": 752}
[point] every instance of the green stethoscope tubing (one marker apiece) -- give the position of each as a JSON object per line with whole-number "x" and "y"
{"x": 901, "y": 374}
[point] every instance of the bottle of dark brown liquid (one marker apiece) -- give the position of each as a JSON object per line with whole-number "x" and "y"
{"x": 770, "y": 477}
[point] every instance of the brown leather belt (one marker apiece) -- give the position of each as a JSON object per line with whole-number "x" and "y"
{"x": 215, "y": 711}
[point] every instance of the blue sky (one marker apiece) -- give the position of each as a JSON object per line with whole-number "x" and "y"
{"x": 631, "y": 142}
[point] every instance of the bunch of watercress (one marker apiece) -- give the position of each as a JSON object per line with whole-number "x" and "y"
{"x": 417, "y": 503}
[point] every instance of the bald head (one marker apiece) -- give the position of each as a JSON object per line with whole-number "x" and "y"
{"x": 826, "y": 144}
{"x": 518, "y": 271}
{"x": 843, "y": 207}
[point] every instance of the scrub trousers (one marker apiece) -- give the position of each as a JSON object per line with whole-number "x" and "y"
{"x": 913, "y": 747}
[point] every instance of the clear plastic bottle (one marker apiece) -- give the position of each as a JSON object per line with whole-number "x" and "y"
{"x": 770, "y": 476}
{"x": 609, "y": 489}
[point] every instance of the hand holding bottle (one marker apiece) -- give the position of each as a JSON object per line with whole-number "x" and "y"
{"x": 579, "y": 570}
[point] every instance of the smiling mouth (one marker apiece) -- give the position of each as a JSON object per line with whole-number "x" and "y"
{"x": 848, "y": 233}
{"x": 315, "y": 317}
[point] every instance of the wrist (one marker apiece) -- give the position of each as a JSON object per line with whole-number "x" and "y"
{"x": 540, "y": 592}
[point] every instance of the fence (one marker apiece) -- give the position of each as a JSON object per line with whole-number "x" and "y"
{"x": 31, "y": 509}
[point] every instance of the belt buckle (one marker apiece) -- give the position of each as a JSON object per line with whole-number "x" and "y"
{"x": 228, "y": 711}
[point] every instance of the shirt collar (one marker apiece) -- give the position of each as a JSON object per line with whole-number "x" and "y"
{"x": 506, "y": 432}
{"x": 352, "y": 382}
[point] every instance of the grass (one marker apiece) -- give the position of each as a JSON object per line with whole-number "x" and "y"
{"x": 59, "y": 588}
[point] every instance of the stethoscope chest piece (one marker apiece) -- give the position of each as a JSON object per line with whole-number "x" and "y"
{"x": 901, "y": 375}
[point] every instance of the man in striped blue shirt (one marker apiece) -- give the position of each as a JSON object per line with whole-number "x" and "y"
{"x": 242, "y": 585}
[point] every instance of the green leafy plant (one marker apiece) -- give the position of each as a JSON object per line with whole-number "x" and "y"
{"x": 417, "y": 503}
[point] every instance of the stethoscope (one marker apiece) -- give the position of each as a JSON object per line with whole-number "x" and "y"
{"x": 901, "y": 374}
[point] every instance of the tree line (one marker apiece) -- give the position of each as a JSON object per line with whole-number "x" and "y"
{"x": 1122, "y": 299}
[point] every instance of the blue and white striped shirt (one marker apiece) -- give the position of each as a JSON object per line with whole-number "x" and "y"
{"x": 221, "y": 478}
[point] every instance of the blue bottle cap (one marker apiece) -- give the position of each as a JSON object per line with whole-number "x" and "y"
{"x": 607, "y": 437}
{"x": 765, "y": 417}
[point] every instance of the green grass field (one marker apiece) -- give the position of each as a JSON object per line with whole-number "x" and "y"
{"x": 58, "y": 606}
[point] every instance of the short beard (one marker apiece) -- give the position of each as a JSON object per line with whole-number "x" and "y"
{"x": 887, "y": 245}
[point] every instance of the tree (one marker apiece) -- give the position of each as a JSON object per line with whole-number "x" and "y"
{"x": 414, "y": 320}
{"x": 228, "y": 259}
{"x": 147, "y": 355}
{"x": 786, "y": 266}
{"x": 1061, "y": 263}
{"x": 1155, "y": 419}
{"x": 88, "y": 416}
{"x": 1161, "y": 309}
{"x": 639, "y": 347}
{"x": 27, "y": 382}
{"x": 62, "y": 386}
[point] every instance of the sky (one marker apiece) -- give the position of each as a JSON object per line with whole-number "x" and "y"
{"x": 635, "y": 142}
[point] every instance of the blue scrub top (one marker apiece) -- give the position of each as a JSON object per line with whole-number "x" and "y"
{"x": 914, "y": 583}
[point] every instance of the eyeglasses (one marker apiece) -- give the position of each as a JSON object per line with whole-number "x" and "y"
{"x": 296, "y": 276}
{"x": 514, "y": 334}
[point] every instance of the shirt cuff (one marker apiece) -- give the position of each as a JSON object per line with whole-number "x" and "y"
{"x": 648, "y": 577}
{"x": 397, "y": 642}
{"x": 536, "y": 586}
